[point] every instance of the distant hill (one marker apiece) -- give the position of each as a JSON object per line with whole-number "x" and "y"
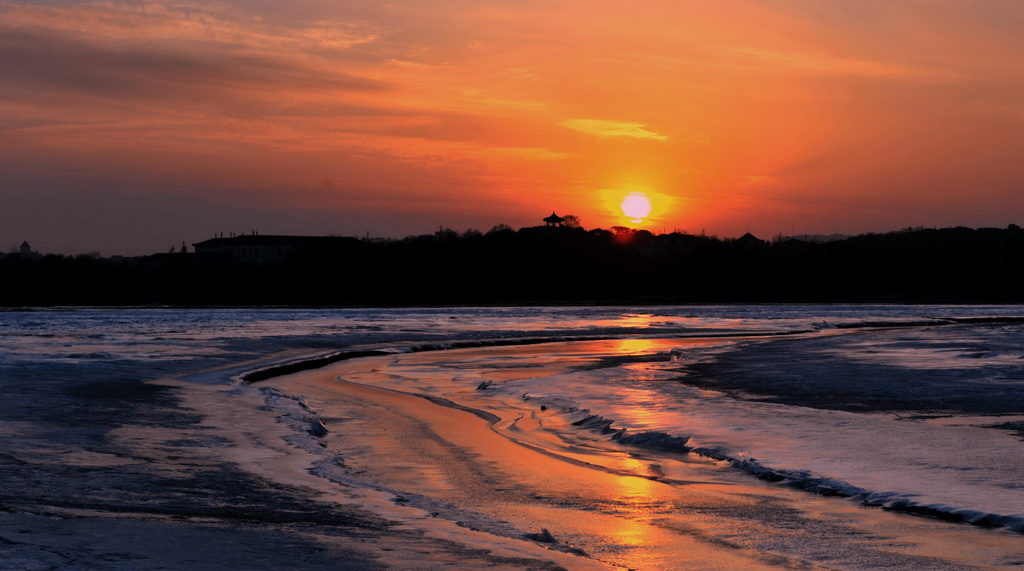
{"x": 541, "y": 265}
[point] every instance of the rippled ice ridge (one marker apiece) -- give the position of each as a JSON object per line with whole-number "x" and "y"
{"x": 928, "y": 416}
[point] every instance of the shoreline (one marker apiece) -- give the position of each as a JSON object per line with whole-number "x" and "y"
{"x": 167, "y": 459}
{"x": 811, "y": 483}
{"x": 515, "y": 467}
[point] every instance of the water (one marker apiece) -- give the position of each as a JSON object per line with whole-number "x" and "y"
{"x": 920, "y": 412}
{"x": 72, "y": 333}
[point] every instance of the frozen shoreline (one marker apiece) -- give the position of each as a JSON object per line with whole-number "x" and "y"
{"x": 146, "y": 445}
{"x": 892, "y": 500}
{"x": 351, "y": 408}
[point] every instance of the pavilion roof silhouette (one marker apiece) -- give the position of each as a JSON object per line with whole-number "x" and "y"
{"x": 554, "y": 220}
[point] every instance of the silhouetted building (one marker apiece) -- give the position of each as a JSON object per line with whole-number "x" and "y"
{"x": 259, "y": 249}
{"x": 748, "y": 240}
{"x": 554, "y": 220}
{"x": 25, "y": 249}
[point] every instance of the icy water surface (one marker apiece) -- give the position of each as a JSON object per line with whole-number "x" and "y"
{"x": 83, "y": 333}
{"x": 942, "y": 438}
{"x": 910, "y": 408}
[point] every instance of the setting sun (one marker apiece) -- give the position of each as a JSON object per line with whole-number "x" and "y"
{"x": 636, "y": 206}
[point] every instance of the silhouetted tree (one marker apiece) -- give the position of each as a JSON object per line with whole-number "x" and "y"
{"x": 500, "y": 229}
{"x": 446, "y": 235}
{"x": 542, "y": 264}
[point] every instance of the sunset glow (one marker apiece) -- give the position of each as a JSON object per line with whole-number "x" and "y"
{"x": 127, "y": 128}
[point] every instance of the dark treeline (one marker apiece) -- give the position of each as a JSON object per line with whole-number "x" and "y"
{"x": 544, "y": 265}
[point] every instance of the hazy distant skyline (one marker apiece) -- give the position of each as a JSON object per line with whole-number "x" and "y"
{"x": 129, "y": 127}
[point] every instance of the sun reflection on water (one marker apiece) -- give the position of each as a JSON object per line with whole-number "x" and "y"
{"x": 638, "y": 502}
{"x": 639, "y": 346}
{"x": 636, "y": 320}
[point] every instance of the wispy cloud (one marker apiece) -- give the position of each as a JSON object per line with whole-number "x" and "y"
{"x": 77, "y": 64}
{"x": 837, "y": 65}
{"x": 613, "y": 129}
{"x": 531, "y": 153}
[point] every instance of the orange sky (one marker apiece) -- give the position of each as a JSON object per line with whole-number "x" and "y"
{"x": 128, "y": 127}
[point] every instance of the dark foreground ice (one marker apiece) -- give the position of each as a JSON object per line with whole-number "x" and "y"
{"x": 103, "y": 467}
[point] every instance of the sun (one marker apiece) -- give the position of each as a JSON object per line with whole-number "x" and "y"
{"x": 636, "y": 207}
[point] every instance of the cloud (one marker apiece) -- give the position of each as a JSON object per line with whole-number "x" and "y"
{"x": 40, "y": 59}
{"x": 531, "y": 153}
{"x": 819, "y": 62}
{"x": 613, "y": 129}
